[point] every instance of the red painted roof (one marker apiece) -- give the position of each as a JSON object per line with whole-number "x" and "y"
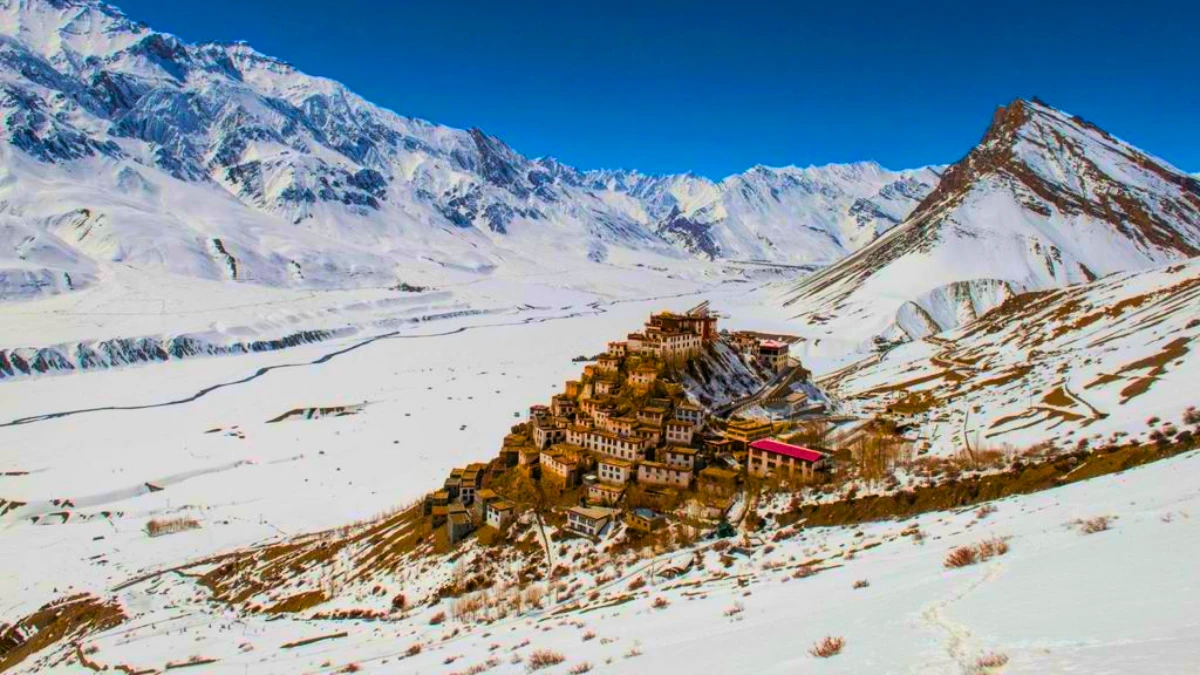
{"x": 787, "y": 449}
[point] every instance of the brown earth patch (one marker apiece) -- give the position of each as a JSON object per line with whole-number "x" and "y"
{"x": 1024, "y": 479}
{"x": 71, "y": 618}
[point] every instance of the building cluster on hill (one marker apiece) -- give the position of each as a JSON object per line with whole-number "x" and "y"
{"x": 624, "y": 440}
{"x": 768, "y": 351}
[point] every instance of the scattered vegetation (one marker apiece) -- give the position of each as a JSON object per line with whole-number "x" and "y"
{"x": 827, "y": 647}
{"x": 543, "y": 658}
{"x": 158, "y": 528}
{"x": 990, "y": 661}
{"x": 965, "y": 556}
{"x": 1094, "y": 525}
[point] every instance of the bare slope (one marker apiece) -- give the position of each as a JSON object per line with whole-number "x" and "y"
{"x": 1089, "y": 363}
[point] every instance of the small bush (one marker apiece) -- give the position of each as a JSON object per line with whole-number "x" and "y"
{"x": 1094, "y": 525}
{"x": 543, "y": 658}
{"x": 985, "y": 511}
{"x": 158, "y": 528}
{"x": 736, "y": 609}
{"x": 590, "y": 635}
{"x": 414, "y": 649}
{"x": 661, "y": 603}
{"x": 990, "y": 661}
{"x": 580, "y": 668}
{"x": 962, "y": 556}
{"x": 990, "y": 548}
{"x": 637, "y": 583}
{"x": 827, "y": 647}
{"x": 987, "y": 549}
{"x": 861, "y": 583}
{"x": 437, "y": 619}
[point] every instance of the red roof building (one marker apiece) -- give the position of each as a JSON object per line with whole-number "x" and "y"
{"x": 769, "y": 456}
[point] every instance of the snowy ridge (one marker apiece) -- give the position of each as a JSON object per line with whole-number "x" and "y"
{"x": 1086, "y": 364}
{"x": 1045, "y": 200}
{"x": 117, "y": 352}
{"x": 121, "y": 145}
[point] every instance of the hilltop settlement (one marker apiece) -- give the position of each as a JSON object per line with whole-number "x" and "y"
{"x": 626, "y": 443}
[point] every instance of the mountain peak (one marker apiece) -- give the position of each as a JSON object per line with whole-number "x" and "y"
{"x": 1045, "y": 199}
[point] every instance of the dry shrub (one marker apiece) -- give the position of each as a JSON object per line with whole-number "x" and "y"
{"x": 987, "y": 549}
{"x": 736, "y": 609}
{"x": 990, "y": 548}
{"x": 580, "y": 668}
{"x": 861, "y": 583}
{"x": 467, "y": 607}
{"x": 990, "y": 661}
{"x": 634, "y": 651}
{"x": 413, "y": 649}
{"x": 543, "y": 658}
{"x": 637, "y": 583}
{"x": 827, "y": 647}
{"x": 158, "y": 528}
{"x": 803, "y": 571}
{"x": 1191, "y": 415}
{"x": 661, "y": 603}
{"x": 985, "y": 511}
{"x": 1094, "y": 525}
{"x": 350, "y": 668}
{"x": 590, "y": 635}
{"x": 437, "y": 619}
{"x": 962, "y": 556}
{"x": 533, "y": 596}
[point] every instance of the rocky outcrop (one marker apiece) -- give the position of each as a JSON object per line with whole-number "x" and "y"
{"x": 119, "y": 352}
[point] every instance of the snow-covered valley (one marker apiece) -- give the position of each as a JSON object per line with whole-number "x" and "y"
{"x": 254, "y": 327}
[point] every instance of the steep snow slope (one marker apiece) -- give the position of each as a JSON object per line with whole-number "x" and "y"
{"x": 124, "y": 145}
{"x": 1045, "y": 200}
{"x": 1086, "y": 364}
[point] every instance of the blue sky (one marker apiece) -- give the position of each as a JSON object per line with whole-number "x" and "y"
{"x": 681, "y": 86}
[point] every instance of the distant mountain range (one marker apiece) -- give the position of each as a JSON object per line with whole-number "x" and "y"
{"x": 124, "y": 145}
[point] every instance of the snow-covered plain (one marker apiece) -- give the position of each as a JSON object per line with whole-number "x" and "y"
{"x": 1117, "y": 601}
{"x": 437, "y": 394}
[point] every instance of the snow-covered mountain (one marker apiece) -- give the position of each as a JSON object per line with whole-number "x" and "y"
{"x": 1045, "y": 200}
{"x": 122, "y": 145}
{"x": 1090, "y": 361}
